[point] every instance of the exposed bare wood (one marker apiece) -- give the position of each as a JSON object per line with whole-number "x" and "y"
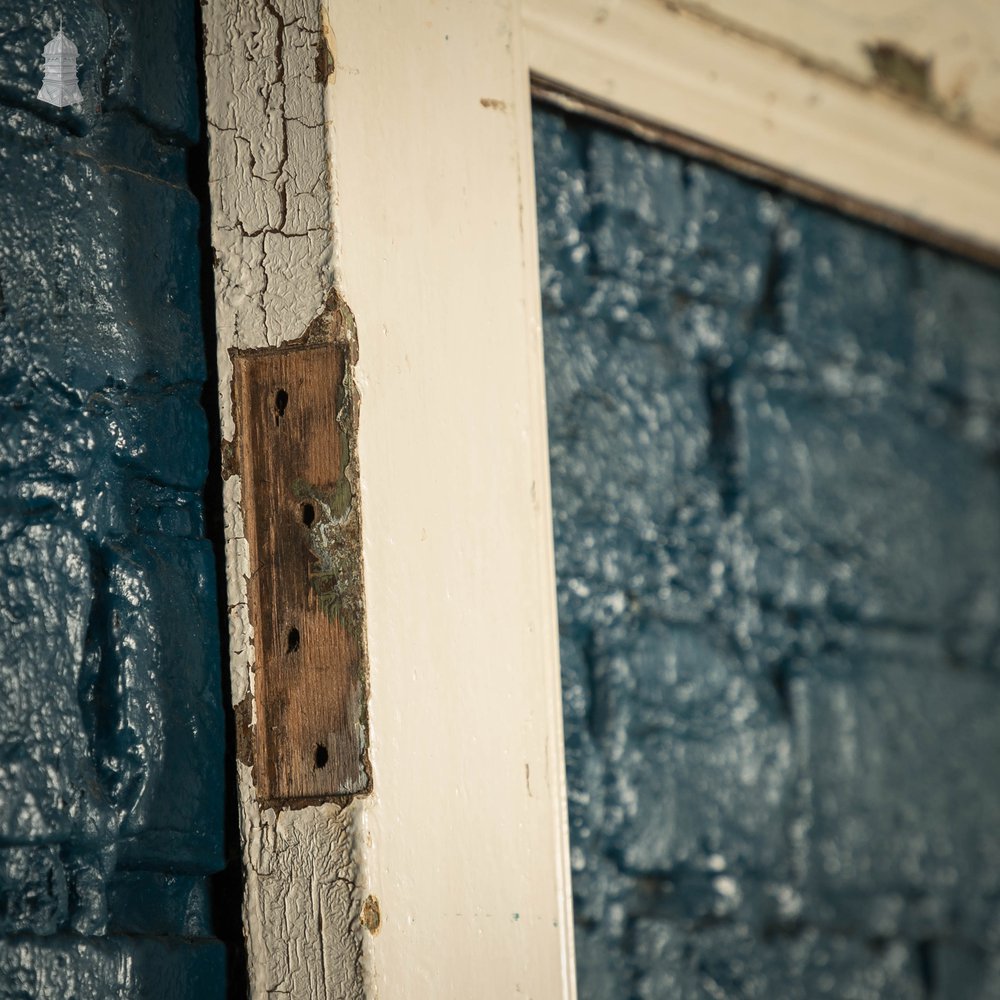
{"x": 305, "y": 572}
{"x": 267, "y": 67}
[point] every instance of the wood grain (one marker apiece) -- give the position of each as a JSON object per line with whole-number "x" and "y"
{"x": 304, "y": 581}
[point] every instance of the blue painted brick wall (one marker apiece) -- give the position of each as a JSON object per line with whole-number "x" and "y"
{"x": 775, "y": 448}
{"x": 111, "y": 735}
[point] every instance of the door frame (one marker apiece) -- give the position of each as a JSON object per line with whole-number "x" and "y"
{"x": 729, "y": 94}
{"x": 371, "y": 175}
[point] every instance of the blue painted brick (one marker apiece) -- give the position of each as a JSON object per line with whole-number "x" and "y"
{"x": 958, "y": 328}
{"x": 111, "y": 738}
{"x": 561, "y": 193}
{"x": 47, "y": 776}
{"x": 162, "y": 757}
{"x": 34, "y": 894}
{"x": 604, "y": 966}
{"x": 94, "y": 969}
{"x": 702, "y": 758}
{"x": 160, "y": 904}
{"x": 733, "y": 961}
{"x": 777, "y": 523}
{"x": 843, "y": 310}
{"x": 965, "y": 973}
{"x": 861, "y": 511}
{"x": 900, "y": 756}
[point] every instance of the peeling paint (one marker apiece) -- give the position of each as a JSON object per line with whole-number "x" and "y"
{"x": 336, "y": 531}
{"x": 903, "y": 71}
{"x": 268, "y": 66}
{"x": 228, "y": 459}
{"x": 371, "y": 915}
{"x": 905, "y": 43}
{"x": 302, "y": 892}
{"x": 324, "y": 61}
{"x": 271, "y": 205}
{"x": 244, "y": 713}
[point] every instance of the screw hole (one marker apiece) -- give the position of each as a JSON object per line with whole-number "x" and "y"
{"x": 322, "y": 756}
{"x": 293, "y": 640}
{"x": 308, "y": 514}
{"x": 280, "y": 404}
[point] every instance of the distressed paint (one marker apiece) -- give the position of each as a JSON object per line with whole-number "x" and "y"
{"x": 940, "y": 54}
{"x": 267, "y": 67}
{"x": 296, "y": 418}
{"x": 456, "y": 858}
{"x": 111, "y": 724}
{"x": 270, "y": 189}
{"x": 656, "y": 69}
{"x": 774, "y": 437}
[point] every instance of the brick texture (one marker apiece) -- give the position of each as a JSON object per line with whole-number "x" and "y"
{"x": 111, "y": 727}
{"x": 775, "y": 452}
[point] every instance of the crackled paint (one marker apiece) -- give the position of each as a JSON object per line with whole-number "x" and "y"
{"x": 774, "y": 438}
{"x": 454, "y": 856}
{"x": 271, "y": 235}
{"x": 111, "y": 726}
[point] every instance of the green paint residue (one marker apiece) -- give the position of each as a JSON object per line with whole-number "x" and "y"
{"x": 334, "y": 536}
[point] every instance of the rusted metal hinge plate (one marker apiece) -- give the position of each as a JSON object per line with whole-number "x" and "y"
{"x": 294, "y": 413}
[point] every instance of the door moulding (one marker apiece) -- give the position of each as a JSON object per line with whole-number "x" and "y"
{"x": 682, "y": 80}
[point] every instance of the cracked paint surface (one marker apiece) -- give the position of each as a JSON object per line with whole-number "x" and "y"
{"x": 268, "y": 64}
{"x": 270, "y": 196}
{"x": 774, "y": 436}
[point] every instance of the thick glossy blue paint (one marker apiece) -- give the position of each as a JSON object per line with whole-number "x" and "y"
{"x": 775, "y": 448}
{"x": 111, "y": 728}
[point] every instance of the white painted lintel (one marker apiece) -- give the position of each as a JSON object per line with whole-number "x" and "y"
{"x": 881, "y": 156}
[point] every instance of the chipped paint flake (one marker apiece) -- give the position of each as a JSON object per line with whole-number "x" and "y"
{"x": 268, "y": 63}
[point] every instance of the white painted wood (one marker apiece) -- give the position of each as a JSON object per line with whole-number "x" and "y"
{"x": 465, "y": 836}
{"x": 406, "y": 180}
{"x": 273, "y": 247}
{"x": 765, "y": 105}
{"x": 959, "y": 38}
